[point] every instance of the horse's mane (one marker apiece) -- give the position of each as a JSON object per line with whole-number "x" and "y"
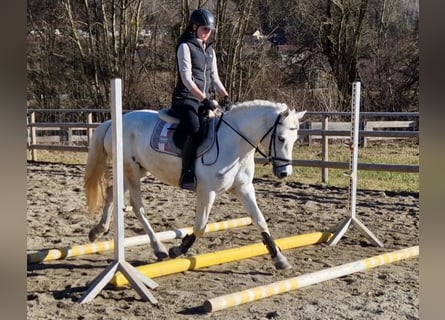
{"x": 259, "y": 103}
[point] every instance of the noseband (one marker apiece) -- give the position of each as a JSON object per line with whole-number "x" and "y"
{"x": 272, "y": 143}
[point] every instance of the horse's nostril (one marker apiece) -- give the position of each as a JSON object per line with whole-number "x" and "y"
{"x": 283, "y": 174}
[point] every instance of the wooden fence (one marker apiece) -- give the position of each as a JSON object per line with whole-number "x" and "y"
{"x": 74, "y": 128}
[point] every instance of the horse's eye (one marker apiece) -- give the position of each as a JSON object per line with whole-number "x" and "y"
{"x": 280, "y": 138}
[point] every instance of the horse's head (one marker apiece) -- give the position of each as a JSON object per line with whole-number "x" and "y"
{"x": 284, "y": 135}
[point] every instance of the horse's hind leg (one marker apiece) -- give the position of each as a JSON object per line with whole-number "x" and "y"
{"x": 104, "y": 224}
{"x": 134, "y": 185}
{"x": 247, "y": 193}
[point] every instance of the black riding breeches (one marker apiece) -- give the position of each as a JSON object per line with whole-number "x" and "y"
{"x": 190, "y": 119}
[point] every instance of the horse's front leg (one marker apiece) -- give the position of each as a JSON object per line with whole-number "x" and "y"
{"x": 247, "y": 193}
{"x": 104, "y": 224}
{"x": 205, "y": 202}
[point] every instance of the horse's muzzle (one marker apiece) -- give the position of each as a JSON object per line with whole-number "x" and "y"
{"x": 283, "y": 171}
{"x": 282, "y": 175}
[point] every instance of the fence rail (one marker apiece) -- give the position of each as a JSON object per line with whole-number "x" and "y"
{"x": 63, "y": 134}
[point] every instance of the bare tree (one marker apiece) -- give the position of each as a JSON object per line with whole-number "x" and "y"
{"x": 341, "y": 33}
{"x": 340, "y": 40}
{"x": 105, "y": 35}
{"x": 76, "y": 46}
{"x": 390, "y": 64}
{"x": 46, "y": 60}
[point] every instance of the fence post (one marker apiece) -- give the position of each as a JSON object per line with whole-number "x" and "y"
{"x": 33, "y": 137}
{"x": 28, "y": 136}
{"x": 309, "y": 136}
{"x": 70, "y": 135}
{"x": 89, "y": 130}
{"x": 365, "y": 128}
{"x": 324, "y": 149}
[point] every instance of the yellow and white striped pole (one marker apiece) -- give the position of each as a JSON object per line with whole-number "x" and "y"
{"x": 163, "y": 268}
{"x": 237, "y": 298}
{"x": 71, "y": 251}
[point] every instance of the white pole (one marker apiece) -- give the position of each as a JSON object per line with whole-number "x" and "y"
{"x": 355, "y": 122}
{"x": 89, "y": 248}
{"x": 118, "y": 171}
{"x": 257, "y": 293}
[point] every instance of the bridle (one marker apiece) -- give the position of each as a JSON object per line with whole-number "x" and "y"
{"x": 272, "y": 143}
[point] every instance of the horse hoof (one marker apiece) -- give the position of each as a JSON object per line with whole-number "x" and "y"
{"x": 92, "y": 235}
{"x": 161, "y": 255}
{"x": 282, "y": 264}
{"x": 174, "y": 252}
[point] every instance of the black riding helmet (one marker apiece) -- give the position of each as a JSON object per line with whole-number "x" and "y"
{"x": 203, "y": 17}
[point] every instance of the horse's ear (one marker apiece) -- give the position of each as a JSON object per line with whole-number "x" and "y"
{"x": 285, "y": 113}
{"x": 300, "y": 114}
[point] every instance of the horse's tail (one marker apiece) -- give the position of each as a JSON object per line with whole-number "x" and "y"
{"x": 96, "y": 169}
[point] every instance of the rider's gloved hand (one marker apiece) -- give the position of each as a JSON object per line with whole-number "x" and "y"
{"x": 208, "y": 105}
{"x": 227, "y": 103}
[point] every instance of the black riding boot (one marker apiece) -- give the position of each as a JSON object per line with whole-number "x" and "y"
{"x": 188, "y": 179}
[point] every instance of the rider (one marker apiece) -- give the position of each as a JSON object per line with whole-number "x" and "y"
{"x": 197, "y": 72}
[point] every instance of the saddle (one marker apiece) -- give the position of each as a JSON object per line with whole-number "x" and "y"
{"x": 169, "y": 135}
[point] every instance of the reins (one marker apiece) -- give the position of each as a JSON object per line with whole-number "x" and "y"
{"x": 272, "y": 129}
{"x": 257, "y": 149}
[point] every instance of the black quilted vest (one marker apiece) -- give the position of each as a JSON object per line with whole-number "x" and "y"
{"x": 201, "y": 63}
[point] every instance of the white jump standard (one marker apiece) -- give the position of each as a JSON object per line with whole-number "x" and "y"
{"x": 340, "y": 230}
{"x": 137, "y": 280}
